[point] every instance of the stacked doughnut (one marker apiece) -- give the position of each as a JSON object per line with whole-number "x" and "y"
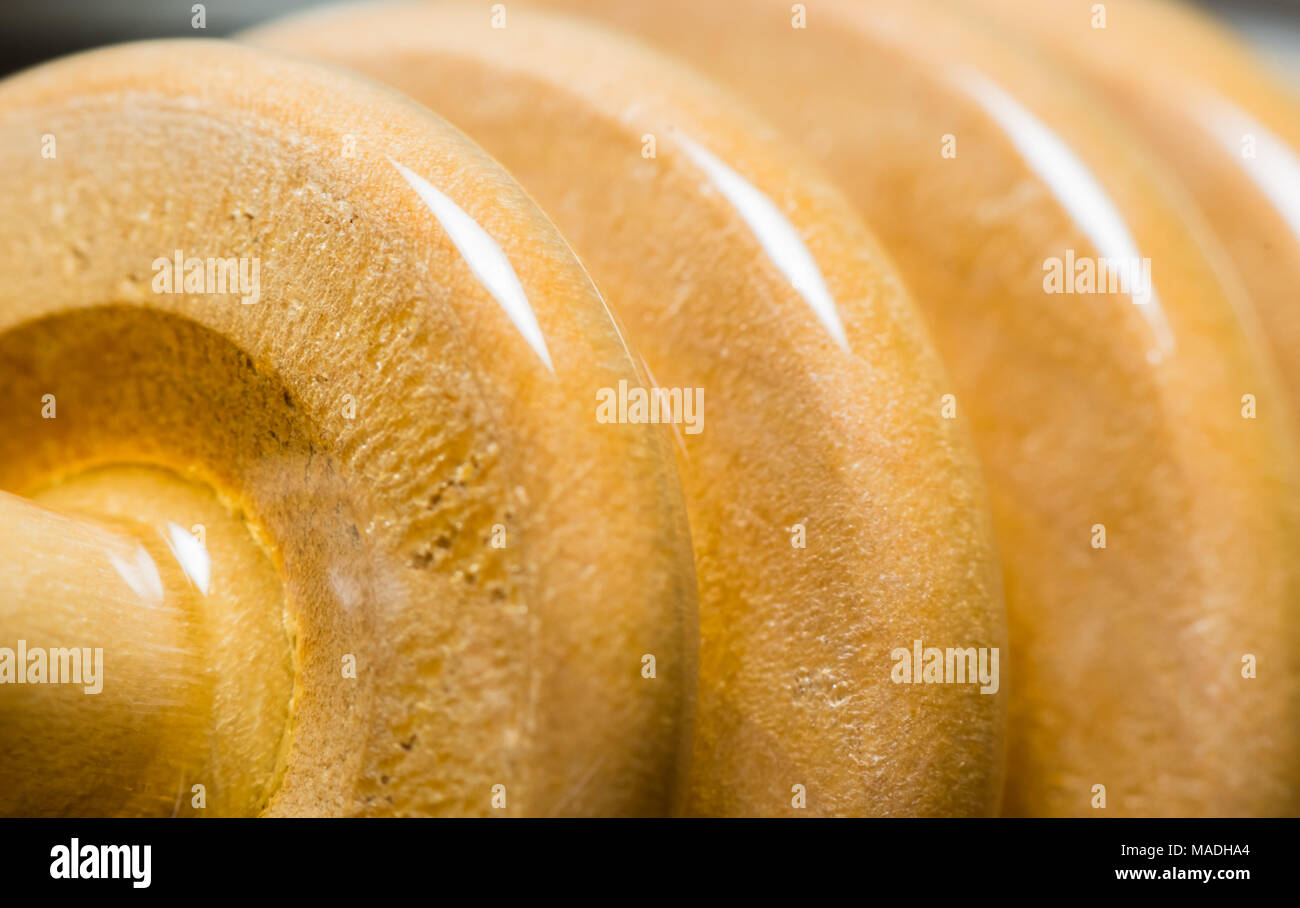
{"x": 615, "y": 407}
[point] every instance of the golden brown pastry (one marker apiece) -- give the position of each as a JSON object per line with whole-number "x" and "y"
{"x": 1142, "y": 467}
{"x": 1218, "y": 119}
{"x": 836, "y": 512}
{"x": 486, "y": 596}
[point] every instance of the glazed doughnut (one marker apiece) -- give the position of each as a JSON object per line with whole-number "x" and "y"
{"x": 1227, "y": 127}
{"x": 837, "y": 515}
{"x": 1141, "y": 463}
{"x": 471, "y": 598}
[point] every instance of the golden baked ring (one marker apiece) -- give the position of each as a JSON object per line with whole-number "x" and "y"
{"x": 489, "y": 596}
{"x": 1225, "y": 125}
{"x": 1140, "y": 456}
{"x": 835, "y": 508}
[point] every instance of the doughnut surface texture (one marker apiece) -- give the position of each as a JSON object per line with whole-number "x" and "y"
{"x": 837, "y": 515}
{"x": 1224, "y": 124}
{"x": 473, "y": 569}
{"x": 1094, "y": 413}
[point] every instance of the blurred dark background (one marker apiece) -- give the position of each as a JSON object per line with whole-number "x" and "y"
{"x": 35, "y": 30}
